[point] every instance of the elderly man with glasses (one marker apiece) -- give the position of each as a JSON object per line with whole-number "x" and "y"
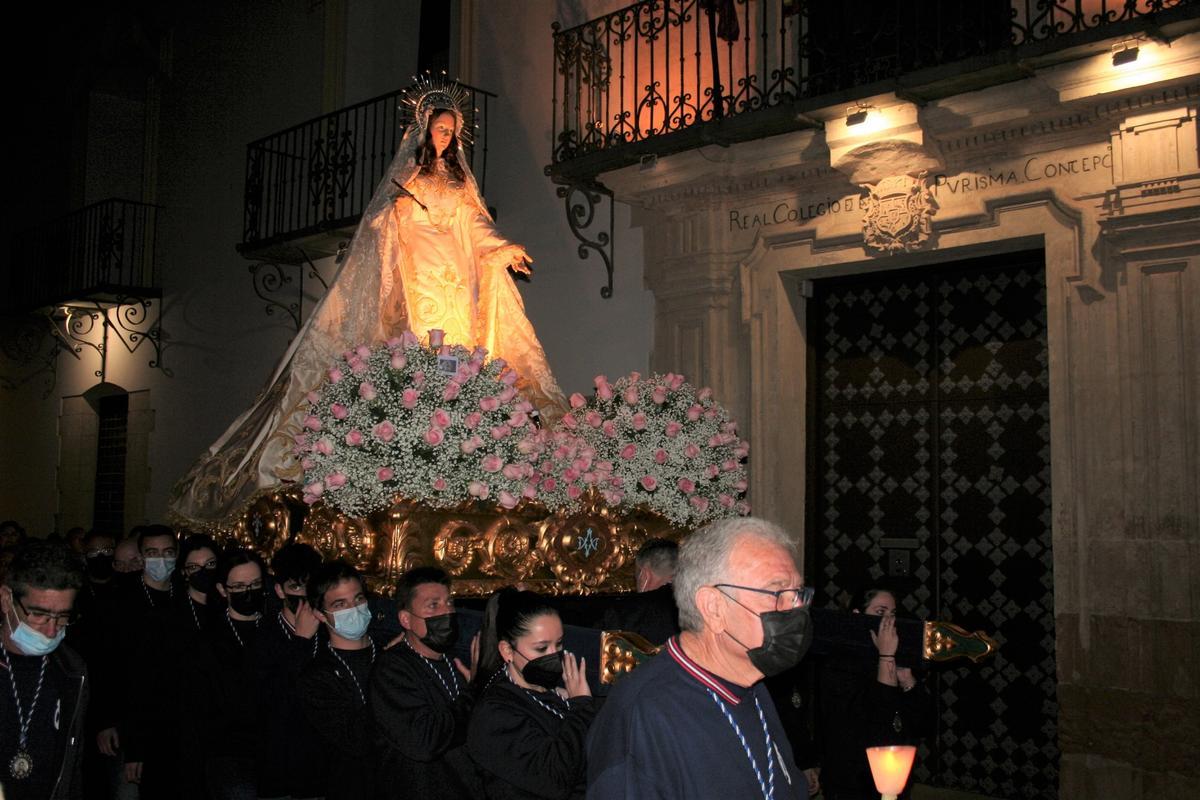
{"x": 697, "y": 721}
{"x": 43, "y": 683}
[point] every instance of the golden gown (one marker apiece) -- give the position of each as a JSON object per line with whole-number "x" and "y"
{"x": 433, "y": 259}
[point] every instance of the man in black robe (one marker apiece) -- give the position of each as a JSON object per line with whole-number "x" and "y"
{"x": 697, "y": 720}
{"x": 420, "y": 699}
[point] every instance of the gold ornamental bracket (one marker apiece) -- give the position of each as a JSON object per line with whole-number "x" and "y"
{"x": 945, "y": 641}
{"x": 621, "y": 652}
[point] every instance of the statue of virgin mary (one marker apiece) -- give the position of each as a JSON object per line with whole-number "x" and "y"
{"x": 426, "y": 256}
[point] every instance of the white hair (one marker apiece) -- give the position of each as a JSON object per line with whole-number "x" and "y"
{"x": 704, "y": 559}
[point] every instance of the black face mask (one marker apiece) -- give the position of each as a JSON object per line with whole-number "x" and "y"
{"x": 203, "y": 580}
{"x": 786, "y": 638}
{"x": 100, "y": 567}
{"x": 545, "y": 671}
{"x": 293, "y": 601}
{"x": 247, "y": 603}
{"x": 441, "y": 632}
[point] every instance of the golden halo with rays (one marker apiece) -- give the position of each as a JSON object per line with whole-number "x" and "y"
{"x": 438, "y": 91}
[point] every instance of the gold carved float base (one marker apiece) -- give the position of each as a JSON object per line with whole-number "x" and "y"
{"x": 483, "y": 547}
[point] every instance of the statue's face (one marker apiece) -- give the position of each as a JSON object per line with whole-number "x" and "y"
{"x": 441, "y": 131}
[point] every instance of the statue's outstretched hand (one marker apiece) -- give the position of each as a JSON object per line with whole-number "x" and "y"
{"x": 520, "y": 263}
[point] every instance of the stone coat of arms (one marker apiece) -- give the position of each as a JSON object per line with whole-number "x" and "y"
{"x": 898, "y": 213}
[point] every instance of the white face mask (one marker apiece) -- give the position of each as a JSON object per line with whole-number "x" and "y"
{"x": 33, "y": 642}
{"x": 159, "y": 569}
{"x": 351, "y": 623}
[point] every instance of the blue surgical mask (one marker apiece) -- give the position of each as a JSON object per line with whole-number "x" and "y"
{"x": 35, "y": 643}
{"x": 159, "y": 569}
{"x": 351, "y": 623}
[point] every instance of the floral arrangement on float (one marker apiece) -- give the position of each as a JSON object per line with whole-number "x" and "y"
{"x": 438, "y": 423}
{"x": 443, "y": 425}
{"x": 657, "y": 443}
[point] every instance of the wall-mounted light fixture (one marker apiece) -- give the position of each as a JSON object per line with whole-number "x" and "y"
{"x": 857, "y": 114}
{"x": 1124, "y": 52}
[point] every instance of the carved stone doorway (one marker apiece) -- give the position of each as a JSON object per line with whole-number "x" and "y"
{"x": 931, "y": 469}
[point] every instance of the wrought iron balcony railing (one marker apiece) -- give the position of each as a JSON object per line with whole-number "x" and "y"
{"x": 306, "y": 187}
{"x": 659, "y": 76}
{"x": 102, "y": 252}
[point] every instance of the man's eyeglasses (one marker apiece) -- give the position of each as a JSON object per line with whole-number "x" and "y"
{"x": 785, "y": 599}
{"x": 38, "y": 616}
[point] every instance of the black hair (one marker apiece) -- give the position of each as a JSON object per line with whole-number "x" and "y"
{"x": 508, "y": 616}
{"x": 151, "y": 531}
{"x": 427, "y": 154}
{"x": 295, "y": 561}
{"x": 863, "y": 597}
{"x": 327, "y": 576}
{"x": 96, "y": 533}
{"x": 44, "y": 565}
{"x": 236, "y": 558}
{"x": 660, "y": 555}
{"x": 406, "y": 587}
{"x": 198, "y": 541}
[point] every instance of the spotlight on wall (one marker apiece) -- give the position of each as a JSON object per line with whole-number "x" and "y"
{"x": 856, "y": 115}
{"x": 1124, "y": 52}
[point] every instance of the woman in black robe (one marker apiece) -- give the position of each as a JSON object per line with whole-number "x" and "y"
{"x": 534, "y": 708}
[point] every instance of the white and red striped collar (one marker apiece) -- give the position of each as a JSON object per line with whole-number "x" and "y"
{"x": 698, "y": 672}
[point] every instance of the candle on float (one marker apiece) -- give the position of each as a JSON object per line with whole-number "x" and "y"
{"x": 436, "y": 335}
{"x": 890, "y": 767}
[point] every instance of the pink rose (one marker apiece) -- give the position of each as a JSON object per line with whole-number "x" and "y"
{"x": 609, "y": 428}
{"x": 569, "y": 421}
{"x": 659, "y": 395}
{"x": 631, "y": 395}
{"x": 418, "y": 379}
{"x": 384, "y": 431}
{"x": 705, "y": 393}
{"x": 409, "y": 398}
{"x": 593, "y": 418}
{"x": 574, "y": 492}
{"x": 743, "y": 508}
{"x": 634, "y": 377}
{"x": 339, "y": 411}
{"x": 616, "y": 482}
{"x": 313, "y": 492}
{"x": 614, "y": 498}
{"x": 691, "y": 450}
{"x": 527, "y": 446}
{"x": 478, "y": 489}
{"x": 439, "y": 484}
{"x": 675, "y": 381}
{"x": 335, "y": 480}
{"x": 362, "y": 351}
{"x": 741, "y": 451}
{"x": 660, "y": 456}
{"x": 517, "y": 419}
{"x": 335, "y": 375}
{"x": 710, "y": 413}
{"x": 325, "y": 447}
{"x": 603, "y": 390}
{"x": 570, "y": 474}
{"x": 492, "y": 463}
{"x": 513, "y": 471}
{"x": 549, "y": 485}
{"x": 628, "y": 451}
{"x": 725, "y": 500}
{"x": 358, "y": 367}
{"x": 436, "y": 337}
{"x": 398, "y": 361}
{"x": 451, "y": 391}
{"x": 470, "y": 445}
{"x": 354, "y": 438}
{"x": 711, "y": 471}
{"x": 729, "y": 427}
{"x": 307, "y": 464}
{"x": 649, "y": 483}
{"x": 472, "y": 420}
{"x": 509, "y": 378}
{"x": 638, "y": 421}
{"x": 499, "y": 363}
{"x": 409, "y": 339}
{"x": 434, "y": 437}
{"x": 672, "y": 430}
{"x": 301, "y": 440}
{"x": 313, "y": 398}
{"x": 440, "y": 418}
{"x": 729, "y": 465}
{"x": 699, "y": 503}
{"x": 312, "y": 423}
{"x": 506, "y": 500}
{"x": 530, "y": 491}
{"x": 507, "y": 394}
{"x": 385, "y": 473}
{"x": 686, "y": 486}
{"x": 367, "y": 391}
{"x": 694, "y": 412}
{"x": 489, "y": 403}
{"x": 393, "y": 342}
{"x": 577, "y": 400}
{"x": 500, "y": 431}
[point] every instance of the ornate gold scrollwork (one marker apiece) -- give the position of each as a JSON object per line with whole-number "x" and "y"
{"x": 620, "y": 652}
{"x": 945, "y": 641}
{"x": 510, "y": 549}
